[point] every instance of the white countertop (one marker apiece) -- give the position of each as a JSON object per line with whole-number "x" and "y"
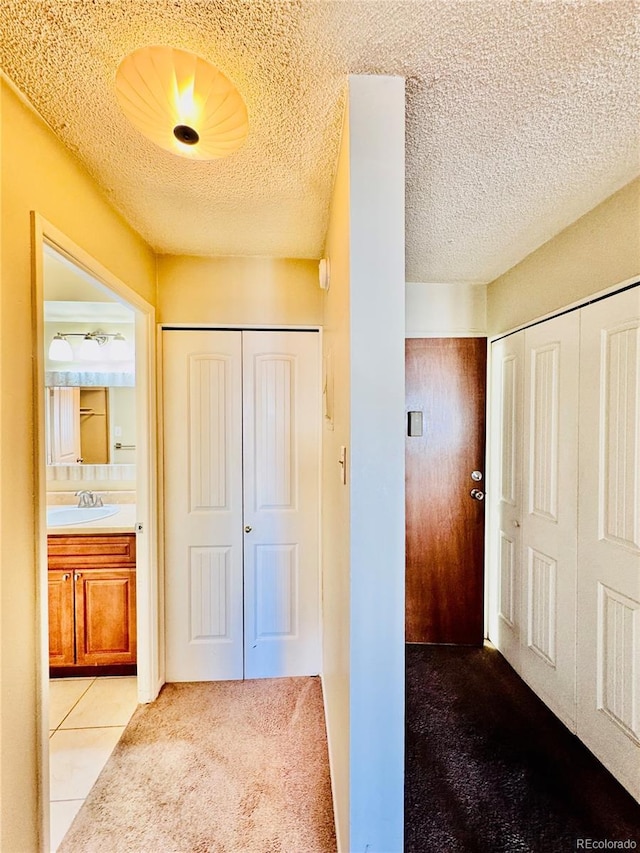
{"x": 123, "y": 521}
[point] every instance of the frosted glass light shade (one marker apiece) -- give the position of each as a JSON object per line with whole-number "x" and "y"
{"x": 181, "y": 102}
{"x": 60, "y": 349}
{"x": 89, "y": 349}
{"x": 119, "y": 349}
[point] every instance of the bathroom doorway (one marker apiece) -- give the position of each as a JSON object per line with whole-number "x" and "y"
{"x": 94, "y": 389}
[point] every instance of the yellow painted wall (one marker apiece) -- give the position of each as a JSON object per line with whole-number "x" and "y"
{"x": 434, "y": 310}
{"x": 335, "y": 496}
{"x": 243, "y": 291}
{"x": 598, "y": 251}
{"x": 37, "y": 173}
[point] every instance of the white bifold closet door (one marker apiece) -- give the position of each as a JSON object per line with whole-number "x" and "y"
{"x": 241, "y": 465}
{"x": 549, "y": 517}
{"x": 505, "y": 491}
{"x": 609, "y": 536}
{"x": 565, "y": 491}
{"x": 534, "y": 494}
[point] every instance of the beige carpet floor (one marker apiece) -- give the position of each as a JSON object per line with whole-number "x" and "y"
{"x": 215, "y": 767}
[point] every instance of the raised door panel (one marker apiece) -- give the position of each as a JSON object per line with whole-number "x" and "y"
{"x": 549, "y": 542}
{"x": 505, "y": 495}
{"x": 609, "y": 536}
{"x": 281, "y": 393}
{"x": 105, "y": 617}
{"x": 61, "y": 619}
{"x": 114, "y": 549}
{"x": 203, "y": 504}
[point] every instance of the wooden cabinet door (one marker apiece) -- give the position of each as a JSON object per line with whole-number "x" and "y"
{"x": 105, "y": 616}
{"x": 61, "y": 622}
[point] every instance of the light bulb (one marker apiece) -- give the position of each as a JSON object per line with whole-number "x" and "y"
{"x": 60, "y": 349}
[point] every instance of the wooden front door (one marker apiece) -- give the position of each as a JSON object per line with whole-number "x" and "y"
{"x": 446, "y": 383}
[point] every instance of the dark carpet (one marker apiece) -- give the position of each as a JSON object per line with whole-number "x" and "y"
{"x": 489, "y": 769}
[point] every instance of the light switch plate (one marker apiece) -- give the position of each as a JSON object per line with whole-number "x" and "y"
{"x": 415, "y": 424}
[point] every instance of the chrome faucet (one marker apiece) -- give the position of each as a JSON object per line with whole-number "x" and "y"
{"x": 88, "y": 498}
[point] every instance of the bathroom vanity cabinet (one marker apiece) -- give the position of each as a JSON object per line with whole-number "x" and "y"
{"x": 92, "y": 602}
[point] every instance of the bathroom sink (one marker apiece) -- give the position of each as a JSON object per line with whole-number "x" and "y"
{"x": 62, "y": 516}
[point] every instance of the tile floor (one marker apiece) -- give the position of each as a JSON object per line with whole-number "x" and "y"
{"x": 86, "y": 719}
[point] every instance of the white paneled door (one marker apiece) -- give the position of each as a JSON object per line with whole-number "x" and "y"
{"x": 609, "y": 536}
{"x": 549, "y": 520}
{"x": 281, "y": 500}
{"x": 507, "y": 366}
{"x": 203, "y": 504}
{"x": 63, "y": 440}
{"x": 241, "y": 438}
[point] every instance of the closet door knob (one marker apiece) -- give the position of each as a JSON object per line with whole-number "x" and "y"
{"x": 248, "y": 528}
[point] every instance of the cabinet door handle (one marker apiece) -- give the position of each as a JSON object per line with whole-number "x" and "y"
{"x": 77, "y": 576}
{"x": 66, "y": 576}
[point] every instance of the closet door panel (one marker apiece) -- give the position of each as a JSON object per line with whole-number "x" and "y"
{"x": 281, "y": 496}
{"x": 549, "y": 559}
{"x": 609, "y": 536}
{"x": 203, "y": 504}
{"x": 505, "y": 493}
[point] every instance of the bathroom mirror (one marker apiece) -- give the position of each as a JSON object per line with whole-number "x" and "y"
{"x": 90, "y": 426}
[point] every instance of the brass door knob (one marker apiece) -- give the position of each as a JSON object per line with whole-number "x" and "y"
{"x": 248, "y": 528}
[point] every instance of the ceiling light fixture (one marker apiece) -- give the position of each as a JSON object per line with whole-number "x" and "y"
{"x": 181, "y": 102}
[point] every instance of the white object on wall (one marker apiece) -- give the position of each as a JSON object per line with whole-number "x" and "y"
{"x": 324, "y": 273}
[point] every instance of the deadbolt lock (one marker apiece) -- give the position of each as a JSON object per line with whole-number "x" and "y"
{"x": 476, "y": 475}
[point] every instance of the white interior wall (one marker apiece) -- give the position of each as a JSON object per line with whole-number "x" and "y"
{"x": 437, "y": 310}
{"x": 336, "y": 531}
{"x": 364, "y": 537}
{"x": 377, "y": 180}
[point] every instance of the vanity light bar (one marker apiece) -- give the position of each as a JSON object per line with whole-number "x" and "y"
{"x": 60, "y": 348}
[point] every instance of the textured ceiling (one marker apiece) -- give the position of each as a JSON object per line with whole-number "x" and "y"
{"x": 521, "y": 116}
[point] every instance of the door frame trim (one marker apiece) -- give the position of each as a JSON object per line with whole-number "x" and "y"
{"x": 150, "y": 662}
